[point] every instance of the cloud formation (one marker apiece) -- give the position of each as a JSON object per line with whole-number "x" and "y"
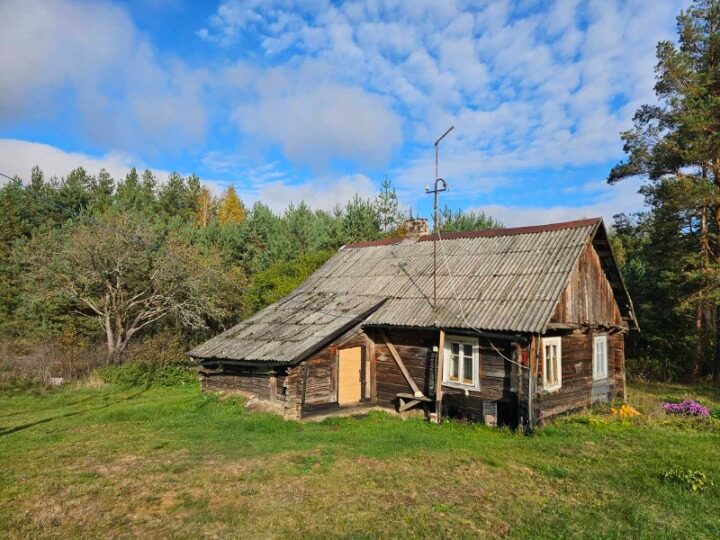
{"x": 317, "y": 124}
{"x": 608, "y": 201}
{"x": 299, "y": 91}
{"x": 64, "y": 58}
{"x": 527, "y": 86}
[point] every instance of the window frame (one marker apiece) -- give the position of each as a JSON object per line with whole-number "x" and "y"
{"x": 597, "y": 376}
{"x": 462, "y": 340}
{"x": 557, "y": 341}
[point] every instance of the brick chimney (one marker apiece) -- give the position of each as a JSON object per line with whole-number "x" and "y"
{"x": 415, "y": 227}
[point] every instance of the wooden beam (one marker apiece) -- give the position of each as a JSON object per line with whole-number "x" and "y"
{"x": 563, "y": 326}
{"x": 405, "y": 405}
{"x": 399, "y": 362}
{"x": 439, "y": 380}
{"x": 370, "y": 348}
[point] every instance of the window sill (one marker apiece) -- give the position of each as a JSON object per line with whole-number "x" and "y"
{"x": 601, "y": 379}
{"x": 461, "y": 386}
{"x": 551, "y": 389}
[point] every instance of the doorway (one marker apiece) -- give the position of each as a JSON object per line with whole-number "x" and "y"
{"x": 349, "y": 376}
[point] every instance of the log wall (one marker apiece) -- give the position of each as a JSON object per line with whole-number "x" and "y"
{"x": 588, "y": 298}
{"x": 578, "y": 388}
{"x": 261, "y": 383}
{"x": 314, "y": 381}
{"x": 415, "y": 348}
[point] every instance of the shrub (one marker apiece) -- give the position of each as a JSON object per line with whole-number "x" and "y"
{"x": 691, "y": 479}
{"x": 688, "y": 407}
{"x": 149, "y": 374}
{"x": 624, "y": 411}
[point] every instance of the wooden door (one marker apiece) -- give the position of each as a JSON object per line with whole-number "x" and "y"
{"x": 349, "y": 384}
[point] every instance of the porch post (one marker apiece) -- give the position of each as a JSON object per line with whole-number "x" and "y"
{"x": 438, "y": 382}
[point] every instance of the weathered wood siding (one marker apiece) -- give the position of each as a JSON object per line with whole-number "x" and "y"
{"x": 261, "y": 383}
{"x": 415, "y": 348}
{"x": 312, "y": 384}
{"x": 578, "y": 387}
{"x": 588, "y": 303}
{"x": 495, "y": 385}
{"x": 588, "y": 298}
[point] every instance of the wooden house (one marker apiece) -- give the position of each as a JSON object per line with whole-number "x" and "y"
{"x": 524, "y": 324}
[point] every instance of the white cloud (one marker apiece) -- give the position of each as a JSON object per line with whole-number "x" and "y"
{"x": 524, "y": 90}
{"x": 264, "y": 182}
{"x": 319, "y": 194}
{"x": 609, "y": 201}
{"x": 90, "y": 57}
{"x": 17, "y": 158}
{"x": 315, "y": 124}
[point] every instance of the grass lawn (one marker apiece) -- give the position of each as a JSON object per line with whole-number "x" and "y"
{"x": 175, "y": 463}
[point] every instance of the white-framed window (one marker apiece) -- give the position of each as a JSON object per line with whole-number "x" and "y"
{"x": 552, "y": 363}
{"x": 461, "y": 361}
{"x": 600, "y": 358}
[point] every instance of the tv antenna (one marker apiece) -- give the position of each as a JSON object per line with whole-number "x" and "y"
{"x": 440, "y": 186}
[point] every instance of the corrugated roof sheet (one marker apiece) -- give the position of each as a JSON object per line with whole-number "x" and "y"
{"x": 506, "y": 279}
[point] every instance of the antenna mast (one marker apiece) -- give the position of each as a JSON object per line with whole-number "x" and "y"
{"x": 438, "y": 182}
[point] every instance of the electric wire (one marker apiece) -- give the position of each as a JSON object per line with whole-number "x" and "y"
{"x": 462, "y": 308}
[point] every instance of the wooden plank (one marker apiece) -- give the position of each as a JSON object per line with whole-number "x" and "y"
{"x": 439, "y": 371}
{"x": 399, "y": 362}
{"x": 405, "y": 405}
{"x": 372, "y": 379}
{"x": 411, "y": 396}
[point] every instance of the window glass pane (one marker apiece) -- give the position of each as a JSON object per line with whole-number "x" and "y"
{"x": 600, "y": 360}
{"x": 467, "y": 349}
{"x": 552, "y": 364}
{"x": 455, "y": 348}
{"x": 468, "y": 368}
{"x": 454, "y": 374}
{"x": 548, "y": 362}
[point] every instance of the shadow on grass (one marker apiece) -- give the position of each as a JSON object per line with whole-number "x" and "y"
{"x": 22, "y": 427}
{"x": 72, "y": 403}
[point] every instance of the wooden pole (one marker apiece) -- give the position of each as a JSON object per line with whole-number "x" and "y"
{"x": 439, "y": 372}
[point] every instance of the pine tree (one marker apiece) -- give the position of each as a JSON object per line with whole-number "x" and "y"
{"x": 676, "y": 145}
{"x": 388, "y": 207}
{"x": 231, "y": 209}
{"x": 361, "y": 221}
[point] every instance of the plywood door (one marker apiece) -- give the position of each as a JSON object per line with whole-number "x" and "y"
{"x": 349, "y": 385}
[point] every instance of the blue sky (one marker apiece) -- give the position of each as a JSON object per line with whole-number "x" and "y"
{"x": 318, "y": 100}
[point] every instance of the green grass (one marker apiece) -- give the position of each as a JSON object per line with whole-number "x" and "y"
{"x": 173, "y": 462}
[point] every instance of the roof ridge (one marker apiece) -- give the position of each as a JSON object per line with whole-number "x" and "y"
{"x": 529, "y": 229}
{"x": 484, "y": 233}
{"x": 372, "y": 243}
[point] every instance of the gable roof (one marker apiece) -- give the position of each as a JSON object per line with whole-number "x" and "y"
{"x": 508, "y": 280}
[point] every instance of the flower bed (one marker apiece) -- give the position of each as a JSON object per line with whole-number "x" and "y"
{"x": 688, "y": 407}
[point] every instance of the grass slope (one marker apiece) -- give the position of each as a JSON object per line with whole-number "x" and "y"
{"x": 176, "y": 463}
